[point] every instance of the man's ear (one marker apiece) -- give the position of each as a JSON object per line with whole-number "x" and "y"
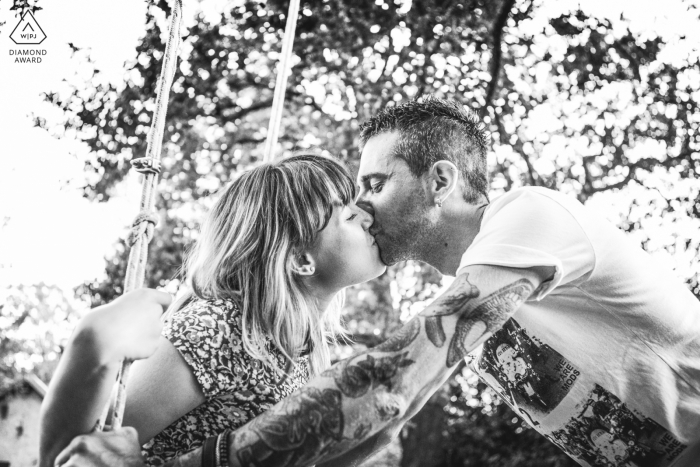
{"x": 444, "y": 177}
{"x": 304, "y": 264}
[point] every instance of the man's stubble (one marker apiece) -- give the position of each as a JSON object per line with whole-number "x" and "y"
{"x": 407, "y": 233}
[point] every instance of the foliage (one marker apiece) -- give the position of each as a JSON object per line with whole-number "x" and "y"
{"x": 35, "y": 321}
{"x": 478, "y": 428}
{"x": 573, "y": 102}
{"x": 20, "y": 7}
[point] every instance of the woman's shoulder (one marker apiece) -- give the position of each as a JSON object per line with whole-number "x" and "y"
{"x": 219, "y": 313}
{"x": 214, "y": 307}
{"x": 207, "y": 333}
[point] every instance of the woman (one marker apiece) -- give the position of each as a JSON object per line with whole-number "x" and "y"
{"x": 266, "y": 276}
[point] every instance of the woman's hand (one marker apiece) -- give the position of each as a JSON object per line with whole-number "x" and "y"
{"x": 119, "y": 448}
{"x": 129, "y": 327}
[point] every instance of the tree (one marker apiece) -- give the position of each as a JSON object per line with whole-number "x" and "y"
{"x": 20, "y": 7}
{"x": 573, "y": 102}
{"x": 35, "y": 321}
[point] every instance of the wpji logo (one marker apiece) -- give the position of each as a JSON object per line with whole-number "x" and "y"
{"x": 28, "y": 31}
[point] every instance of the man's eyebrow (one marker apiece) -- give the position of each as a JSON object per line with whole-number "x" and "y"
{"x": 375, "y": 175}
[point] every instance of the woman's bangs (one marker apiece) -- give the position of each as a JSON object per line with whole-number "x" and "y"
{"x": 338, "y": 180}
{"x": 320, "y": 184}
{"x": 331, "y": 186}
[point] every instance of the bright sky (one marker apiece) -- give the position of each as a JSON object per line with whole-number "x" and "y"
{"x": 48, "y": 232}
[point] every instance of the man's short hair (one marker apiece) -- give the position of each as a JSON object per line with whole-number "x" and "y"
{"x": 432, "y": 129}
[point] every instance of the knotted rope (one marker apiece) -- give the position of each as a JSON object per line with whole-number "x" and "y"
{"x": 145, "y": 222}
{"x": 150, "y": 166}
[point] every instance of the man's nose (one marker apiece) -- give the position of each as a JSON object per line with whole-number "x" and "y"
{"x": 365, "y": 206}
{"x": 367, "y": 219}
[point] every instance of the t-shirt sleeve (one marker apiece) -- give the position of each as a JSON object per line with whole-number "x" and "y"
{"x": 530, "y": 229}
{"x": 204, "y": 334}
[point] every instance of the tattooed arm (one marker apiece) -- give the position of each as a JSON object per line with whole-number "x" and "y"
{"x": 352, "y": 402}
{"x": 384, "y": 386}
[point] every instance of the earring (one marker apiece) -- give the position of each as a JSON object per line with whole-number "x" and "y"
{"x": 438, "y": 201}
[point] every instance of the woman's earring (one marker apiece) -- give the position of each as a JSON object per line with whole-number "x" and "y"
{"x": 438, "y": 201}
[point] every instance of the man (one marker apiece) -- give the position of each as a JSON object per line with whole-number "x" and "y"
{"x": 608, "y": 319}
{"x": 532, "y": 266}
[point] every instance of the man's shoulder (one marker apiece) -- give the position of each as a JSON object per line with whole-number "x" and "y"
{"x": 535, "y": 198}
{"x": 536, "y": 192}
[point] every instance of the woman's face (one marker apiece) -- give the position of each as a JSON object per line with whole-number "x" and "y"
{"x": 345, "y": 253}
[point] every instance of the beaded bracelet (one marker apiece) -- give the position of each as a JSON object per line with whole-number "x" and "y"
{"x": 222, "y": 449}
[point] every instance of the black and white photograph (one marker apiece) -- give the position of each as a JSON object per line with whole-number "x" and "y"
{"x": 605, "y": 431}
{"x": 531, "y": 376}
{"x": 362, "y": 233}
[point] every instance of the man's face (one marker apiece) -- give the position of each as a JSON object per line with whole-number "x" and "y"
{"x": 395, "y": 198}
{"x": 513, "y": 365}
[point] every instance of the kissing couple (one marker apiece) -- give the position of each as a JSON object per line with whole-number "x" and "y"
{"x": 560, "y": 312}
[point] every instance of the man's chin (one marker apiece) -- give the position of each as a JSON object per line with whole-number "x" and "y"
{"x": 387, "y": 255}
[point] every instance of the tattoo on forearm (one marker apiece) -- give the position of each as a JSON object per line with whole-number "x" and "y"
{"x": 310, "y": 423}
{"x": 461, "y": 294}
{"x": 485, "y": 317}
{"x": 401, "y": 339}
{"x": 457, "y": 303}
{"x": 355, "y": 378}
{"x": 296, "y": 432}
{"x": 434, "y": 330}
{"x": 190, "y": 459}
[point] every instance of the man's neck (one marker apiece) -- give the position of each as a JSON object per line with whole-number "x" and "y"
{"x": 455, "y": 231}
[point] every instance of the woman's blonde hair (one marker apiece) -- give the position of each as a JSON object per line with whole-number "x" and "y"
{"x": 247, "y": 252}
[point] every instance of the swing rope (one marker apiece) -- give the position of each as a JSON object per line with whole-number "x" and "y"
{"x": 283, "y": 72}
{"x": 150, "y": 166}
{"x": 146, "y": 220}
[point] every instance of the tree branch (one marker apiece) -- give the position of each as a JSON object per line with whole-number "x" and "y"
{"x": 4, "y": 342}
{"x": 647, "y": 163}
{"x": 252, "y": 108}
{"x": 534, "y": 176}
{"x": 495, "y": 64}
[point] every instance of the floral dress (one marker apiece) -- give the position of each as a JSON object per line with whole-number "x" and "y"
{"x": 237, "y": 387}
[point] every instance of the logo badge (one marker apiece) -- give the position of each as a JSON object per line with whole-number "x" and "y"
{"x": 28, "y": 31}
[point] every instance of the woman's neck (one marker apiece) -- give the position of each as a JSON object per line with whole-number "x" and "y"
{"x": 321, "y": 296}
{"x": 323, "y": 301}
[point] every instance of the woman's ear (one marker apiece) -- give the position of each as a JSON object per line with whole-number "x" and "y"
{"x": 444, "y": 177}
{"x": 304, "y": 264}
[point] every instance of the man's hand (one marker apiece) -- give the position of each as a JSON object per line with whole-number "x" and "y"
{"x": 118, "y": 448}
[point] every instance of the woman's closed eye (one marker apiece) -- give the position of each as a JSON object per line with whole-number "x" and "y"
{"x": 352, "y": 217}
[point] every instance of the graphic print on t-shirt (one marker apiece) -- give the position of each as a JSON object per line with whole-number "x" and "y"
{"x": 590, "y": 424}
{"x": 533, "y": 377}
{"x": 604, "y": 431}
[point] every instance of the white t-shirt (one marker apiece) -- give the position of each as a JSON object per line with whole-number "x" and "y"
{"x": 604, "y": 358}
